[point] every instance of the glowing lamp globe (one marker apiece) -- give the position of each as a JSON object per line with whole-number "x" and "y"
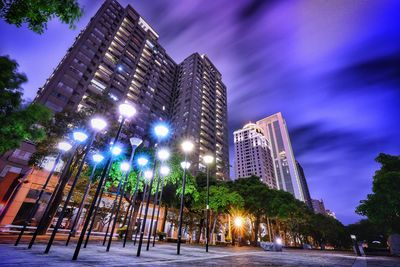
{"x": 64, "y": 146}
{"x": 187, "y": 146}
{"x": 164, "y": 170}
{"x": 126, "y": 110}
{"x": 125, "y": 166}
{"x": 79, "y": 136}
{"x": 185, "y": 165}
{"x": 148, "y": 174}
{"x": 98, "y": 124}
{"x": 163, "y": 154}
{"x": 116, "y": 150}
{"x": 161, "y": 130}
{"x": 208, "y": 159}
{"x": 238, "y": 222}
{"x": 142, "y": 161}
{"x": 97, "y": 158}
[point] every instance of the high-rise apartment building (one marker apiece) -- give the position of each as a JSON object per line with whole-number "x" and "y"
{"x": 118, "y": 56}
{"x": 274, "y": 128}
{"x": 200, "y": 110}
{"x": 253, "y": 155}
{"x": 304, "y": 185}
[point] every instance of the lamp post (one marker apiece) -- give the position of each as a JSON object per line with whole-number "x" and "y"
{"x": 162, "y": 154}
{"x": 97, "y": 158}
{"x": 164, "y": 171}
{"x": 208, "y": 159}
{"x": 63, "y": 147}
{"x": 187, "y": 147}
{"x": 147, "y": 176}
{"x": 62, "y": 181}
{"x": 125, "y": 167}
{"x": 79, "y": 138}
{"x": 142, "y": 161}
{"x": 116, "y": 150}
{"x": 161, "y": 131}
{"x": 126, "y": 111}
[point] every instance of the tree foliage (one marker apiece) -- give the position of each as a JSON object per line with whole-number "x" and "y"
{"x": 18, "y": 123}
{"x": 37, "y": 13}
{"x": 382, "y": 207}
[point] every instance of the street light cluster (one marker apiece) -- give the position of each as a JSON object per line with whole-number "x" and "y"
{"x": 98, "y": 124}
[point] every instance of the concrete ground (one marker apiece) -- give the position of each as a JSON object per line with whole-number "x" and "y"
{"x": 164, "y": 254}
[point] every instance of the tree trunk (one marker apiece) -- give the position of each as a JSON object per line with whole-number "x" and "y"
{"x": 131, "y": 227}
{"x": 164, "y": 221}
{"x": 201, "y": 226}
{"x": 269, "y": 230}
{"x": 213, "y": 229}
{"x": 256, "y": 228}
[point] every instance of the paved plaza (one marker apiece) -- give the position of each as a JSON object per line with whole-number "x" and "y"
{"x": 164, "y": 254}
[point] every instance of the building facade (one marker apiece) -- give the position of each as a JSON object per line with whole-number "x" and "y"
{"x": 200, "y": 112}
{"x": 253, "y": 155}
{"x": 274, "y": 128}
{"x": 118, "y": 57}
{"x": 304, "y": 185}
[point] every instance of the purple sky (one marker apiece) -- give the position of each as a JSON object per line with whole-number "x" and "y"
{"x": 331, "y": 67}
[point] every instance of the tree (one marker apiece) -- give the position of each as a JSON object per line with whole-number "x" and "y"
{"x": 256, "y": 198}
{"x": 367, "y": 231}
{"x": 36, "y": 13}
{"x": 382, "y": 207}
{"x": 18, "y": 123}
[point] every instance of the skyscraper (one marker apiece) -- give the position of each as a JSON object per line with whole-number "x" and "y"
{"x": 118, "y": 56}
{"x": 274, "y": 128}
{"x": 200, "y": 111}
{"x": 253, "y": 155}
{"x": 304, "y": 185}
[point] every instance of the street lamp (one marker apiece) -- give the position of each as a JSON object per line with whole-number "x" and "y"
{"x": 147, "y": 176}
{"x": 208, "y": 159}
{"x": 185, "y": 165}
{"x": 97, "y": 124}
{"x": 142, "y": 161}
{"x": 164, "y": 171}
{"x": 187, "y": 147}
{"x": 238, "y": 221}
{"x": 96, "y": 158}
{"x": 116, "y": 150}
{"x": 125, "y": 167}
{"x": 126, "y": 112}
{"x": 64, "y": 177}
{"x": 161, "y": 131}
{"x": 63, "y": 147}
{"x": 162, "y": 154}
